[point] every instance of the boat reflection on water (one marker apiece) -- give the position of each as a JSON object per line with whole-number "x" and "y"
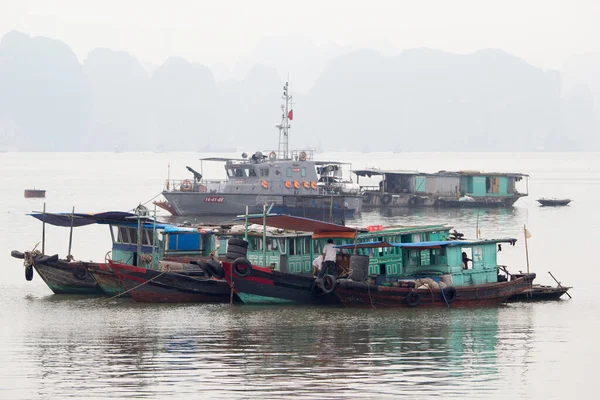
{"x": 254, "y": 351}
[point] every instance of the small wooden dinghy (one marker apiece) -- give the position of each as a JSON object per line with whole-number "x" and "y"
{"x": 554, "y": 202}
{"x": 35, "y": 193}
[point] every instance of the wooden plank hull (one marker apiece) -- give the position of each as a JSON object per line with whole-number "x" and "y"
{"x": 265, "y": 286}
{"x": 355, "y": 294}
{"x": 108, "y": 281}
{"x": 147, "y": 285}
{"x": 541, "y": 293}
{"x": 63, "y": 277}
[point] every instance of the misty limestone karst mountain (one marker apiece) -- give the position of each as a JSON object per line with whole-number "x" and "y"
{"x": 420, "y": 100}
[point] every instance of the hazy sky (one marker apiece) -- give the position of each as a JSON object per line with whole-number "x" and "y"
{"x": 544, "y": 32}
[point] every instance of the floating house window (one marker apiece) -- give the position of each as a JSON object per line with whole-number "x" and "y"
{"x": 292, "y": 246}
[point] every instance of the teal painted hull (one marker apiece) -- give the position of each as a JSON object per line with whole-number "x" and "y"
{"x": 256, "y": 299}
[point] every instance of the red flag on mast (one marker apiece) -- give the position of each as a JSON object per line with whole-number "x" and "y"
{"x": 291, "y": 115}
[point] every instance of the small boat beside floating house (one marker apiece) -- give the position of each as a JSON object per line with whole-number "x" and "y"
{"x": 441, "y": 189}
{"x": 554, "y": 202}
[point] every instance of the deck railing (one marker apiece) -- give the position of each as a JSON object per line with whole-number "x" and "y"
{"x": 192, "y": 185}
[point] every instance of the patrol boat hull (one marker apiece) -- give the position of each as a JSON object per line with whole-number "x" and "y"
{"x": 194, "y": 203}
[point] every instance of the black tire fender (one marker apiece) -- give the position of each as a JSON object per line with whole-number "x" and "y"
{"x": 237, "y": 242}
{"x": 449, "y": 294}
{"x": 80, "y": 273}
{"x": 233, "y": 248}
{"x": 367, "y": 198}
{"x": 17, "y": 254}
{"x": 241, "y": 266}
{"x": 327, "y": 284}
{"x": 215, "y": 269}
{"x": 386, "y": 199}
{"x": 29, "y": 273}
{"x": 413, "y": 299}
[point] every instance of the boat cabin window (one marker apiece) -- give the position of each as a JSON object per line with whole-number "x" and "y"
{"x": 147, "y": 237}
{"x": 303, "y": 172}
{"x": 123, "y": 236}
{"x": 252, "y": 172}
{"x": 256, "y": 243}
{"x": 264, "y": 172}
{"x": 133, "y": 235}
{"x": 414, "y": 257}
{"x": 272, "y": 244}
{"x": 289, "y": 172}
{"x": 236, "y": 173}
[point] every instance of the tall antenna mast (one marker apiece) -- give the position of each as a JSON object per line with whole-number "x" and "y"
{"x": 284, "y": 126}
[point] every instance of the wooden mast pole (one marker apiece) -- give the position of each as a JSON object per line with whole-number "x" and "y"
{"x": 526, "y": 248}
{"x": 71, "y": 234}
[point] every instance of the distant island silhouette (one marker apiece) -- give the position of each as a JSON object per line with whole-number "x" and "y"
{"x": 419, "y": 100}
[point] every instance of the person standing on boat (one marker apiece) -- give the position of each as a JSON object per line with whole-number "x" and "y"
{"x": 329, "y": 255}
{"x": 317, "y": 265}
{"x": 465, "y": 260}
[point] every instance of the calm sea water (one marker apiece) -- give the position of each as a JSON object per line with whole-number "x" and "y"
{"x": 85, "y": 347}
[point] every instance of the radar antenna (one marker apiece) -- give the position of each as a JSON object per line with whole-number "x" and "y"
{"x": 284, "y": 126}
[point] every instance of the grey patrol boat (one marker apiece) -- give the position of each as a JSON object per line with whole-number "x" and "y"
{"x": 287, "y": 182}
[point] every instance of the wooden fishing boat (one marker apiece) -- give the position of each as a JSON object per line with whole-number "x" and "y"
{"x": 108, "y": 281}
{"x": 554, "y": 202}
{"x": 436, "y": 274}
{"x": 134, "y": 241}
{"x": 148, "y": 285}
{"x": 280, "y": 267}
{"x": 61, "y": 276}
{"x": 261, "y": 285}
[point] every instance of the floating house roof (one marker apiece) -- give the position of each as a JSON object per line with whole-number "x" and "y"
{"x": 375, "y": 171}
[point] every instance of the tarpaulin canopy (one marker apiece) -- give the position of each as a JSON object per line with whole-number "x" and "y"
{"x": 82, "y": 219}
{"x": 185, "y": 229}
{"x": 298, "y": 224}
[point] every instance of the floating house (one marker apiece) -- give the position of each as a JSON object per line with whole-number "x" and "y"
{"x": 441, "y": 189}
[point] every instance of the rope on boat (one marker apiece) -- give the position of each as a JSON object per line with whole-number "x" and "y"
{"x": 133, "y": 209}
{"x": 369, "y": 292}
{"x": 133, "y": 288}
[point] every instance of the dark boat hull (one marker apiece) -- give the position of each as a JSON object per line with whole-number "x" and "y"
{"x": 146, "y": 285}
{"x": 356, "y": 294}
{"x": 553, "y": 203}
{"x": 108, "y": 281}
{"x": 265, "y": 286}
{"x": 541, "y": 293}
{"x": 64, "y": 277}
